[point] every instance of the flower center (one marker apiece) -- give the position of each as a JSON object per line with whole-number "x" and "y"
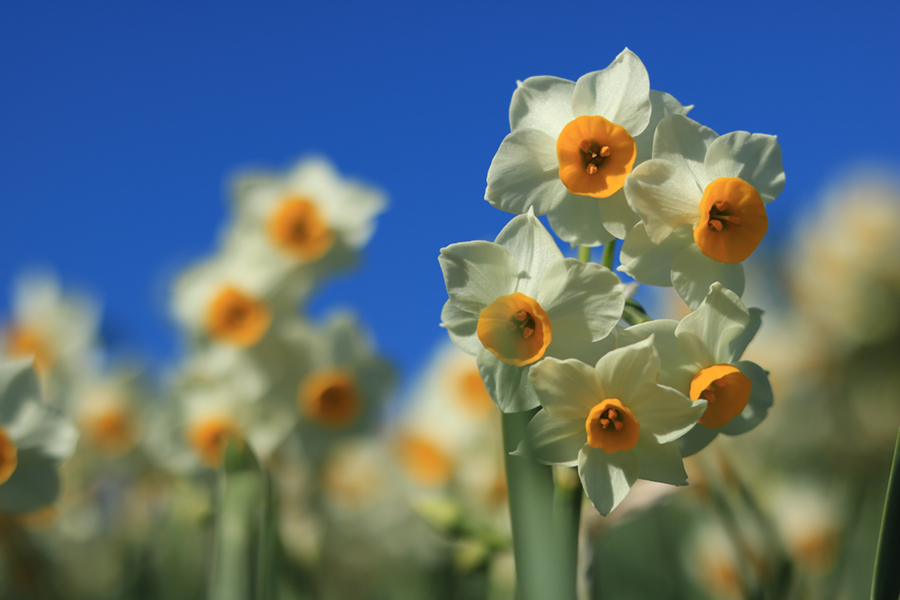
{"x": 236, "y": 318}
{"x": 423, "y": 461}
{"x": 733, "y": 220}
{"x": 208, "y": 437}
{"x": 726, "y": 391}
{"x": 8, "y": 456}
{"x": 515, "y": 329}
{"x": 612, "y": 427}
{"x": 472, "y": 394}
{"x": 297, "y": 227}
{"x": 595, "y": 156}
{"x": 110, "y": 429}
{"x": 23, "y": 341}
{"x": 329, "y": 398}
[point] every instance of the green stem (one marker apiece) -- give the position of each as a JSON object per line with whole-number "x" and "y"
{"x": 634, "y": 313}
{"x": 541, "y": 572}
{"x": 584, "y": 253}
{"x": 886, "y": 580}
{"x": 567, "y": 497}
{"x": 609, "y": 251}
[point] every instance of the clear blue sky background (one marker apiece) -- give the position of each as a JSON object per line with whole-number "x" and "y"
{"x": 120, "y": 123}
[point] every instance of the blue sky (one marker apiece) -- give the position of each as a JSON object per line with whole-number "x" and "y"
{"x": 119, "y": 125}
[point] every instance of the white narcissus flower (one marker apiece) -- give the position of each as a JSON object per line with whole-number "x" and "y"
{"x": 612, "y": 421}
{"x": 573, "y": 143}
{"x": 57, "y": 328}
{"x": 35, "y": 438}
{"x": 232, "y": 298}
{"x": 700, "y": 356}
{"x": 517, "y": 300}
{"x": 702, "y": 201}
{"x": 311, "y": 218}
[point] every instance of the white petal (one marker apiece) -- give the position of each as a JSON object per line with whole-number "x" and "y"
{"x": 584, "y": 302}
{"x": 693, "y": 273}
{"x": 607, "y": 478}
{"x": 534, "y": 250}
{"x": 544, "y": 103}
{"x": 625, "y": 370}
{"x": 761, "y": 400}
{"x": 568, "y": 389}
{"x": 660, "y": 462}
{"x": 507, "y": 384}
{"x": 663, "y": 106}
{"x": 45, "y": 429}
{"x": 663, "y": 412}
{"x": 578, "y": 221}
{"x": 477, "y": 273}
{"x": 740, "y": 345}
{"x": 461, "y": 326}
{"x": 617, "y": 216}
{"x": 620, "y": 93}
{"x": 696, "y": 440}
{"x": 665, "y": 196}
{"x": 685, "y": 143}
{"x": 525, "y": 174}
{"x": 553, "y": 441}
{"x": 676, "y": 370}
{"x": 652, "y": 263}
{"x": 755, "y": 158}
{"x": 711, "y": 333}
{"x": 585, "y": 351}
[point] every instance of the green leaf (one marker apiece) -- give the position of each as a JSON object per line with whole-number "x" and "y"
{"x": 886, "y": 581}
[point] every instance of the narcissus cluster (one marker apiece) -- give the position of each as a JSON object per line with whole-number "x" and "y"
{"x": 607, "y": 157}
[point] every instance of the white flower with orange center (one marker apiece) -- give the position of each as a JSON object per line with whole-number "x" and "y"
{"x": 231, "y": 298}
{"x": 612, "y": 421}
{"x": 571, "y": 146}
{"x": 35, "y": 438}
{"x": 516, "y": 300}
{"x": 702, "y": 201}
{"x": 107, "y": 413}
{"x": 700, "y": 356}
{"x": 339, "y": 382}
{"x": 57, "y": 329}
{"x": 310, "y": 217}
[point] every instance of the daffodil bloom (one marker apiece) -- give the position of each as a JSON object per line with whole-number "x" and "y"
{"x": 516, "y": 300}
{"x": 702, "y": 201}
{"x": 35, "y": 438}
{"x": 107, "y": 412}
{"x": 571, "y": 146}
{"x": 310, "y": 218}
{"x": 55, "y": 327}
{"x": 700, "y": 356}
{"x": 613, "y": 421}
{"x": 232, "y": 298}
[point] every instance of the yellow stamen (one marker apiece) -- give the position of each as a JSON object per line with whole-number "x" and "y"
{"x": 236, "y": 318}
{"x": 423, "y": 461}
{"x": 612, "y": 427}
{"x": 515, "y": 329}
{"x": 733, "y": 220}
{"x": 23, "y": 342}
{"x": 8, "y": 456}
{"x": 298, "y": 228}
{"x": 209, "y": 436}
{"x": 595, "y": 156}
{"x": 330, "y": 398}
{"x": 726, "y": 391}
